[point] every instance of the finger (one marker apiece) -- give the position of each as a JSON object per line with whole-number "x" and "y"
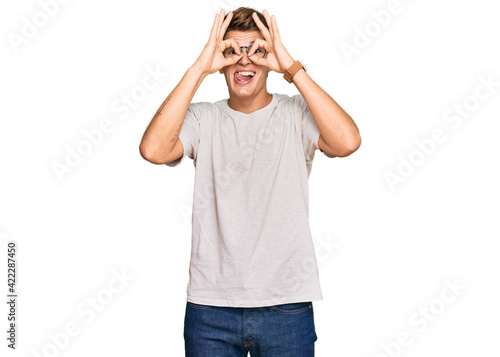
{"x": 222, "y": 31}
{"x": 258, "y": 43}
{"x": 221, "y": 21}
{"x": 259, "y": 61}
{"x": 275, "y": 27}
{"x": 263, "y": 29}
{"x": 213, "y": 32}
{"x": 231, "y": 60}
{"x": 268, "y": 20}
{"x": 231, "y": 43}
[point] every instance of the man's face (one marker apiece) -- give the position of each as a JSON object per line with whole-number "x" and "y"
{"x": 239, "y": 84}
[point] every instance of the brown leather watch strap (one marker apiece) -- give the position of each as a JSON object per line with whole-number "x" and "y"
{"x": 290, "y": 72}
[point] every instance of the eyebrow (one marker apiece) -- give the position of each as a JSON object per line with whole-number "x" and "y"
{"x": 251, "y": 43}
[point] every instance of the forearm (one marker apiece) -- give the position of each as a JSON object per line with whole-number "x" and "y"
{"x": 163, "y": 130}
{"x": 337, "y": 128}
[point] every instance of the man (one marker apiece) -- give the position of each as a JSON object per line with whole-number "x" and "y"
{"x": 253, "y": 271}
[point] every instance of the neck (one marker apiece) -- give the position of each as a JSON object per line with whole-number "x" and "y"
{"x": 249, "y": 105}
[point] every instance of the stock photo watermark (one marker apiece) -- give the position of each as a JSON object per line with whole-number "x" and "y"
{"x": 325, "y": 247}
{"x": 454, "y": 118}
{"x": 87, "y": 311}
{"x": 12, "y": 291}
{"x": 424, "y": 316}
{"x": 122, "y": 106}
{"x": 12, "y": 294}
{"x": 237, "y": 167}
{"x": 32, "y": 25}
{"x": 364, "y": 35}
{"x": 218, "y": 5}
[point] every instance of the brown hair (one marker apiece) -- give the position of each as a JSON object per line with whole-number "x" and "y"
{"x": 243, "y": 21}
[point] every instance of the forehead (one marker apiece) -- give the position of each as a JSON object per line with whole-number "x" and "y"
{"x": 243, "y": 37}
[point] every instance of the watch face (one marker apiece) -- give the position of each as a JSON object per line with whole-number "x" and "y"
{"x": 305, "y": 69}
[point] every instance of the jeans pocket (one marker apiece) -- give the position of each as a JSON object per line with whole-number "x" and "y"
{"x": 197, "y": 306}
{"x": 293, "y": 308}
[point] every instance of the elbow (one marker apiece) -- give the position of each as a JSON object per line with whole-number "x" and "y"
{"x": 356, "y": 143}
{"x": 150, "y": 154}
{"x": 351, "y": 146}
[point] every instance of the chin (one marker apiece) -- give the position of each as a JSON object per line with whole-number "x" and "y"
{"x": 243, "y": 92}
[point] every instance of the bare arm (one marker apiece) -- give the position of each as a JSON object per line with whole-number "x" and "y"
{"x": 160, "y": 144}
{"x": 339, "y": 135}
{"x": 162, "y": 133}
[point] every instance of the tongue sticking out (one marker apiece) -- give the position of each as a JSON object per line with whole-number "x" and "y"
{"x": 242, "y": 78}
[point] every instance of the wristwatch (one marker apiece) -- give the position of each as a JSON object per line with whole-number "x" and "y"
{"x": 294, "y": 68}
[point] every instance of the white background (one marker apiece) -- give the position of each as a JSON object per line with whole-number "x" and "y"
{"x": 385, "y": 252}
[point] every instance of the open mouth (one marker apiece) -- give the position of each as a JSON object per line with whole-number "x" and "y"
{"x": 244, "y": 77}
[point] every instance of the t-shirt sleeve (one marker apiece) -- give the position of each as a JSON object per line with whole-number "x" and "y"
{"x": 189, "y": 135}
{"x": 310, "y": 131}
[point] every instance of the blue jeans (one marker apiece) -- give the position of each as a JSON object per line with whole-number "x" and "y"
{"x": 271, "y": 331}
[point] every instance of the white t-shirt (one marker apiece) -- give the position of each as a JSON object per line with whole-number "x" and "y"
{"x": 251, "y": 239}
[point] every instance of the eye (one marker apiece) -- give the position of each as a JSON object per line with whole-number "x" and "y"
{"x": 231, "y": 52}
{"x": 258, "y": 50}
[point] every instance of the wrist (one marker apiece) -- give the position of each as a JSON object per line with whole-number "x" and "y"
{"x": 292, "y": 71}
{"x": 287, "y": 63}
{"x": 199, "y": 71}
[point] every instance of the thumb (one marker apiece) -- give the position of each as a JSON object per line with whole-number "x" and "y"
{"x": 232, "y": 60}
{"x": 259, "y": 61}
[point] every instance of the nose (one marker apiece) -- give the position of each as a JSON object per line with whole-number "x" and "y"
{"x": 244, "y": 59}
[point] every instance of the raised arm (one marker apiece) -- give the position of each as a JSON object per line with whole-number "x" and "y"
{"x": 160, "y": 143}
{"x": 339, "y": 135}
